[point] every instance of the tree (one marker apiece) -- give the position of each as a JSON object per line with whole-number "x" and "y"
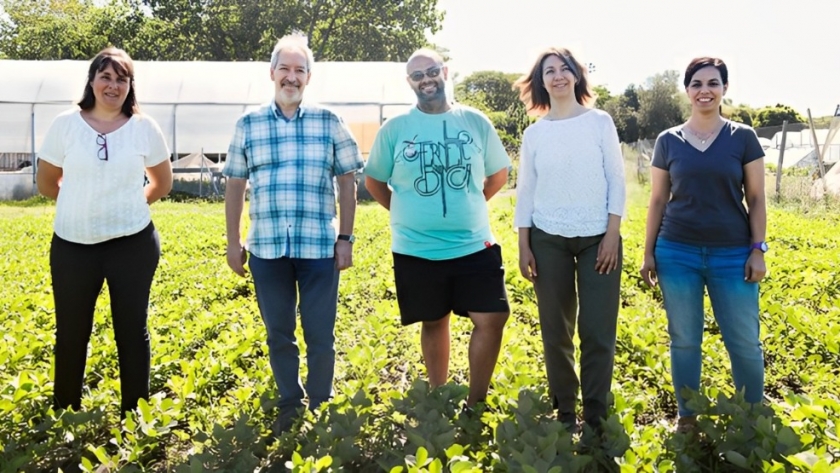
{"x": 625, "y": 118}
{"x": 632, "y": 94}
{"x": 774, "y": 116}
{"x": 602, "y": 95}
{"x": 740, "y": 114}
{"x": 660, "y": 105}
{"x": 218, "y": 30}
{"x": 64, "y": 29}
{"x": 492, "y": 92}
{"x": 370, "y": 30}
{"x": 495, "y": 87}
{"x": 823, "y": 122}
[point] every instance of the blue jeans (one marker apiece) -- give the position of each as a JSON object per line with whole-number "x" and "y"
{"x": 683, "y": 271}
{"x": 277, "y": 282}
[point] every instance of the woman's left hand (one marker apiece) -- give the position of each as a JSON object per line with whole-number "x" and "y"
{"x": 755, "y": 269}
{"x": 608, "y": 253}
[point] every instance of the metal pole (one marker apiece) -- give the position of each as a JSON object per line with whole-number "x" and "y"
{"x": 175, "y": 132}
{"x": 201, "y": 174}
{"x": 781, "y": 160}
{"x": 816, "y": 146}
{"x": 34, "y": 159}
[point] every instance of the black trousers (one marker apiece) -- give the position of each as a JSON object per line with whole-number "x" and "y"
{"x": 78, "y": 271}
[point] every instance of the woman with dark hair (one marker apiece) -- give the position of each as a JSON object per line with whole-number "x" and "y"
{"x": 701, "y": 237}
{"x": 93, "y": 161}
{"x": 570, "y": 199}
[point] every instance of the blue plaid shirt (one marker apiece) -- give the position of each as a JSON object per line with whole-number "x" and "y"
{"x": 291, "y": 165}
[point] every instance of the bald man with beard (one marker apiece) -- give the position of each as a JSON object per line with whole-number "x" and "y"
{"x": 434, "y": 168}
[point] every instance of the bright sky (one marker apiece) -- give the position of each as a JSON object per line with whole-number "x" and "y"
{"x": 777, "y": 51}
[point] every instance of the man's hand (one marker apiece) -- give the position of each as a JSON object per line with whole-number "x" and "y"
{"x": 236, "y": 258}
{"x": 343, "y": 254}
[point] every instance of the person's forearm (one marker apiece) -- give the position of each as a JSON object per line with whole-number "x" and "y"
{"x": 654, "y": 221}
{"x": 525, "y": 237}
{"x": 48, "y": 179}
{"x": 346, "y": 203}
{"x": 155, "y": 191}
{"x": 758, "y": 218}
{"x": 614, "y": 224}
{"x": 379, "y": 191}
{"x": 160, "y": 181}
{"x": 494, "y": 183}
{"x": 234, "y": 203}
{"x": 49, "y": 189}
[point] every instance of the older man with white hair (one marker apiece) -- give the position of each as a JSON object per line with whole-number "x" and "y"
{"x": 291, "y": 152}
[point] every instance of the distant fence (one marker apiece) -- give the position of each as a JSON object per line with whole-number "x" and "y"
{"x": 791, "y": 158}
{"x": 15, "y": 161}
{"x": 640, "y": 152}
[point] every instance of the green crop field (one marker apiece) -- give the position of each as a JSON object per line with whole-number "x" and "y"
{"x": 213, "y": 389}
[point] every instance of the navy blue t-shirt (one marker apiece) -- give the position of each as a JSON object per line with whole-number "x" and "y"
{"x": 707, "y": 187}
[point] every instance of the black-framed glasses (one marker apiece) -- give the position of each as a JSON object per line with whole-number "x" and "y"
{"x": 432, "y": 72}
{"x": 103, "y": 147}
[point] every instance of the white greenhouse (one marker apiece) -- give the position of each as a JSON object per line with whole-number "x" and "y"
{"x": 195, "y": 103}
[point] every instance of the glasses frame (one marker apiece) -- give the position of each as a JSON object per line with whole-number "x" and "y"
{"x": 431, "y": 73}
{"x": 102, "y": 142}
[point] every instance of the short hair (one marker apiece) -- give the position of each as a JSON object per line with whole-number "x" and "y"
{"x": 296, "y": 41}
{"x": 700, "y": 62}
{"x": 123, "y": 66}
{"x": 425, "y": 52}
{"x": 532, "y": 88}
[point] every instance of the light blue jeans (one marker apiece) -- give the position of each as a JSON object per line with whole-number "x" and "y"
{"x": 684, "y": 271}
{"x": 278, "y": 282}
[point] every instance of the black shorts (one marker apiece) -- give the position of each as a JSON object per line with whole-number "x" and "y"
{"x": 428, "y": 290}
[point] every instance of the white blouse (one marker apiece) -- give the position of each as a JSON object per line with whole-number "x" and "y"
{"x": 102, "y": 199}
{"x": 571, "y": 175}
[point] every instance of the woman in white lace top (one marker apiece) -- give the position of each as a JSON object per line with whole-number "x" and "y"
{"x": 570, "y": 200}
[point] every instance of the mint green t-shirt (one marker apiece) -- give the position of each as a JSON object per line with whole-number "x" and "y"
{"x": 435, "y": 165}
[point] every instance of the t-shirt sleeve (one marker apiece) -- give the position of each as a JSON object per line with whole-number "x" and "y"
{"x": 495, "y": 155}
{"x": 53, "y": 148}
{"x": 380, "y": 163}
{"x": 752, "y": 147}
{"x": 660, "y": 153}
{"x": 158, "y": 150}
{"x": 236, "y": 164}
{"x": 346, "y": 149}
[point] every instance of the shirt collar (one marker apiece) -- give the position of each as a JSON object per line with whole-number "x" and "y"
{"x": 279, "y": 115}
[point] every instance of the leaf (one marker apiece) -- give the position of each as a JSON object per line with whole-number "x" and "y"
{"x": 454, "y": 450}
{"x": 736, "y": 458}
{"x": 421, "y": 456}
{"x": 803, "y": 460}
{"x": 145, "y": 411}
{"x": 323, "y": 463}
{"x": 100, "y": 454}
{"x": 461, "y": 466}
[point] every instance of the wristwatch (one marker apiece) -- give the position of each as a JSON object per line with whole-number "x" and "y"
{"x": 761, "y": 246}
{"x": 347, "y": 238}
